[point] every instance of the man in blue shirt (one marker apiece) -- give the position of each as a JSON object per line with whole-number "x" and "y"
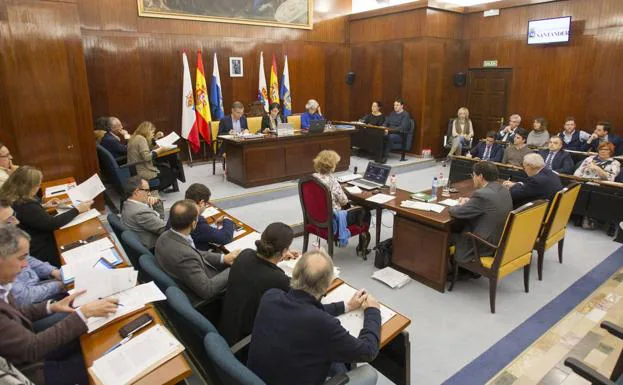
{"x": 204, "y": 235}
{"x": 236, "y": 123}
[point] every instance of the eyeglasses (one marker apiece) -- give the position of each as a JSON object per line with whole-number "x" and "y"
{"x": 144, "y": 189}
{"x": 6, "y": 156}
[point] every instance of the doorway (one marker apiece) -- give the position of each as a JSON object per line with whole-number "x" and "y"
{"x": 487, "y": 98}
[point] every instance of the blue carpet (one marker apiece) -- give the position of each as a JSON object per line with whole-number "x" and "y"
{"x": 489, "y": 363}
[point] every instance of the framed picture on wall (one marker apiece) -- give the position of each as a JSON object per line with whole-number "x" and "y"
{"x": 275, "y": 13}
{"x": 236, "y": 67}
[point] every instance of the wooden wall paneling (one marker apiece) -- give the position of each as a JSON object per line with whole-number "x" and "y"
{"x": 388, "y": 27}
{"x": 414, "y": 78}
{"x": 337, "y": 92}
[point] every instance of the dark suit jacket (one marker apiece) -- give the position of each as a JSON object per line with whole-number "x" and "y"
{"x": 615, "y": 140}
{"x": 26, "y": 349}
{"x": 497, "y": 151}
{"x": 543, "y": 185}
{"x": 226, "y": 124}
{"x": 266, "y": 121}
{"x": 562, "y": 163}
{"x": 575, "y": 144}
{"x": 114, "y": 146}
{"x": 206, "y": 236}
{"x": 485, "y": 213}
{"x": 198, "y": 273}
{"x": 296, "y": 339}
{"x": 249, "y": 278}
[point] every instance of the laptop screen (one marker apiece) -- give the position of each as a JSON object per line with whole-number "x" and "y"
{"x": 377, "y": 173}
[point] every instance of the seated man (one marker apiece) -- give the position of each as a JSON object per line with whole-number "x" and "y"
{"x": 514, "y": 154}
{"x": 398, "y": 124}
{"x": 603, "y": 133}
{"x": 484, "y": 214}
{"x": 6, "y": 164}
{"x": 52, "y": 356}
{"x": 556, "y": 158}
{"x": 297, "y": 340}
{"x": 200, "y": 274}
{"x": 507, "y": 134}
{"x": 542, "y": 183}
{"x": 236, "y": 123}
{"x": 572, "y": 139}
{"x": 114, "y": 136}
{"x": 38, "y": 281}
{"x": 204, "y": 235}
{"x": 488, "y": 150}
{"x": 138, "y": 213}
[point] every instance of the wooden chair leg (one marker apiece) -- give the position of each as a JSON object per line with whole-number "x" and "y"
{"x": 526, "y": 278}
{"x": 493, "y": 287}
{"x": 561, "y": 244}
{"x": 541, "y": 255}
{"x": 305, "y": 241}
{"x": 455, "y": 275}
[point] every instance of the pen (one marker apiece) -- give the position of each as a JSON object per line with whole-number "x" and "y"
{"x": 118, "y": 344}
{"x": 118, "y": 303}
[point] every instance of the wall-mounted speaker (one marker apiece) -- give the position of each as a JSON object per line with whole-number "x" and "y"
{"x": 460, "y": 79}
{"x": 350, "y": 78}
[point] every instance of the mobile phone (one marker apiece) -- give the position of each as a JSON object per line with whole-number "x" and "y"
{"x": 135, "y": 325}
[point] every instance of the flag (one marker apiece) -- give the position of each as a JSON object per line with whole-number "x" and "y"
{"x": 190, "y": 130}
{"x": 285, "y": 90}
{"x": 216, "y": 96}
{"x": 202, "y": 104}
{"x": 262, "y": 93}
{"x": 274, "y": 83}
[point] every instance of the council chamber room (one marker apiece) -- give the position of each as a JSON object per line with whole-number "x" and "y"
{"x": 309, "y": 192}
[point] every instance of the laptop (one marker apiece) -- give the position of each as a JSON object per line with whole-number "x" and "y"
{"x": 317, "y": 126}
{"x": 375, "y": 177}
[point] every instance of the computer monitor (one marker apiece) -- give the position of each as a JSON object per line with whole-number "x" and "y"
{"x": 376, "y": 172}
{"x": 317, "y": 126}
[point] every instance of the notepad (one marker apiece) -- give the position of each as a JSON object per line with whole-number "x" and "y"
{"x": 353, "y": 189}
{"x": 137, "y": 357}
{"x": 391, "y": 277}
{"x": 246, "y": 242}
{"x": 104, "y": 283}
{"x": 96, "y": 247}
{"x": 449, "y": 202}
{"x": 381, "y": 198}
{"x": 210, "y": 211}
{"x": 422, "y": 206}
{"x": 87, "y": 190}
{"x": 60, "y": 189}
{"x": 86, "y": 216}
{"x": 168, "y": 140}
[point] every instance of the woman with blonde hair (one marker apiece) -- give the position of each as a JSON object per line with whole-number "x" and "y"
{"x": 140, "y": 151}
{"x": 462, "y": 132}
{"x": 20, "y": 190}
{"x": 313, "y": 113}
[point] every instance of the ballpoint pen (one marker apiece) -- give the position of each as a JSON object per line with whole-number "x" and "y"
{"x": 118, "y": 344}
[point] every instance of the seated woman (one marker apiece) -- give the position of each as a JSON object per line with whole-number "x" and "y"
{"x": 20, "y": 190}
{"x": 252, "y": 274}
{"x": 313, "y": 113}
{"x": 375, "y": 117}
{"x": 601, "y": 166}
{"x": 462, "y": 131}
{"x": 272, "y": 119}
{"x": 539, "y": 136}
{"x": 324, "y": 164}
{"x": 140, "y": 151}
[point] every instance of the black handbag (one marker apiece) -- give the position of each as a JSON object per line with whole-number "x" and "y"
{"x": 383, "y": 254}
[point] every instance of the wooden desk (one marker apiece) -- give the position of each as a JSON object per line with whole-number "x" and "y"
{"x": 248, "y": 229}
{"x": 368, "y": 138}
{"x": 95, "y": 344}
{"x": 257, "y": 162}
{"x": 171, "y": 157}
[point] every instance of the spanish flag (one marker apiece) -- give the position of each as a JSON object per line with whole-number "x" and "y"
{"x": 274, "y": 83}
{"x": 202, "y": 103}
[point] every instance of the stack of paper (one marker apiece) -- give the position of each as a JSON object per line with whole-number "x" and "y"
{"x": 449, "y": 202}
{"x": 210, "y": 211}
{"x": 391, "y": 277}
{"x": 87, "y": 190}
{"x": 246, "y": 242}
{"x": 381, "y": 198}
{"x": 422, "y": 206}
{"x": 353, "y": 189}
{"x": 169, "y": 140}
{"x": 353, "y": 320}
{"x": 100, "y": 283}
{"x": 85, "y": 216}
{"x": 288, "y": 268}
{"x": 60, "y": 189}
{"x": 136, "y": 358}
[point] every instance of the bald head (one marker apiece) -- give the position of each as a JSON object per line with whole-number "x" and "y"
{"x": 533, "y": 163}
{"x": 313, "y": 273}
{"x": 183, "y": 214}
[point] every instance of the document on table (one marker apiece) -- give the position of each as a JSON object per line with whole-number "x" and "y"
{"x": 210, "y": 211}
{"x": 422, "y": 206}
{"x": 104, "y": 283}
{"x": 169, "y": 140}
{"x": 353, "y": 189}
{"x": 246, "y": 242}
{"x": 353, "y": 320}
{"x": 449, "y": 202}
{"x": 60, "y": 189}
{"x": 91, "y": 248}
{"x": 137, "y": 357}
{"x": 85, "y": 216}
{"x": 87, "y": 190}
{"x": 225, "y": 136}
{"x": 381, "y": 198}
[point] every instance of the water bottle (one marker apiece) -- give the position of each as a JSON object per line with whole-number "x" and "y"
{"x": 392, "y": 184}
{"x": 434, "y": 189}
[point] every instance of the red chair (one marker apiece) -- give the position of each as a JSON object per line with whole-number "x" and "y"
{"x": 318, "y": 216}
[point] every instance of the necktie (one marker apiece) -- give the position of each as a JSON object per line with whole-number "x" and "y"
{"x": 487, "y": 153}
{"x": 550, "y": 158}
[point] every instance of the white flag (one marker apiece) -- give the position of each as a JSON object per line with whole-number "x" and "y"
{"x": 262, "y": 91}
{"x": 189, "y": 130}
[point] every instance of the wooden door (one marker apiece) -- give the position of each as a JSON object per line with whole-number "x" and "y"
{"x": 487, "y": 97}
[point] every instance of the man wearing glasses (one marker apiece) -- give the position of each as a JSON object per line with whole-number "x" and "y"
{"x": 139, "y": 214}
{"x": 6, "y": 164}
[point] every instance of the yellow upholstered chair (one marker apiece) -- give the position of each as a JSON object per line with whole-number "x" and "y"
{"x": 513, "y": 252}
{"x": 254, "y": 123}
{"x": 554, "y": 227}
{"x": 295, "y": 121}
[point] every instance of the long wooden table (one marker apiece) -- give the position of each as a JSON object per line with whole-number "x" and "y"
{"x": 270, "y": 159}
{"x": 368, "y": 138}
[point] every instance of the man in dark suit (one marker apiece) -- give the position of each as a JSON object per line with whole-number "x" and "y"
{"x": 557, "y": 159}
{"x": 571, "y": 138}
{"x": 114, "y": 137}
{"x": 236, "y": 123}
{"x": 204, "y": 235}
{"x": 507, "y": 134}
{"x": 603, "y": 133}
{"x": 200, "y": 274}
{"x": 542, "y": 183}
{"x": 52, "y": 356}
{"x": 483, "y": 214}
{"x": 488, "y": 150}
{"x": 298, "y": 340}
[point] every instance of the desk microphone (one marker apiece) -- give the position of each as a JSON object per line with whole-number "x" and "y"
{"x": 355, "y": 169}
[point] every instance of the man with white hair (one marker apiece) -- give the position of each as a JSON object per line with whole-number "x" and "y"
{"x": 507, "y": 134}
{"x": 298, "y": 340}
{"x": 114, "y": 137}
{"x": 542, "y": 182}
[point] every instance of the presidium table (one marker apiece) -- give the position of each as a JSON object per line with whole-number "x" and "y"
{"x": 259, "y": 161}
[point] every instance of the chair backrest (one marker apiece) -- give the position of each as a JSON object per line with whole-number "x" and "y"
{"x": 214, "y": 129}
{"x": 110, "y": 170}
{"x": 409, "y": 142}
{"x": 295, "y": 120}
{"x": 560, "y": 210}
{"x": 448, "y": 136}
{"x": 117, "y": 226}
{"x": 133, "y": 247}
{"x": 179, "y": 302}
{"x": 520, "y": 232}
{"x": 151, "y": 270}
{"x": 229, "y": 369}
{"x": 315, "y": 201}
{"x": 254, "y": 123}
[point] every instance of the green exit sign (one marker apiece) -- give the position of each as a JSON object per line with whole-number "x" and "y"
{"x": 490, "y": 63}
